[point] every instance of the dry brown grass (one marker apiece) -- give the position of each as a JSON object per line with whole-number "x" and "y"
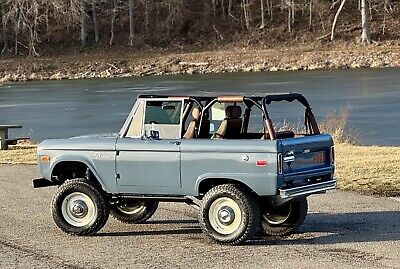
{"x": 368, "y": 169}
{"x": 365, "y": 169}
{"x": 18, "y": 155}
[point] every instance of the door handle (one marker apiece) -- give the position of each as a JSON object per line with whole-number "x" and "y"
{"x": 175, "y": 142}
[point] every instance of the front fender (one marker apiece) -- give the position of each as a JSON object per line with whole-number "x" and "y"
{"x": 103, "y": 168}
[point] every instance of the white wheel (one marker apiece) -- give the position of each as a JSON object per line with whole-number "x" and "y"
{"x": 137, "y": 209}
{"x": 278, "y": 216}
{"x": 78, "y": 209}
{"x": 133, "y": 211}
{"x": 225, "y": 215}
{"x": 229, "y": 214}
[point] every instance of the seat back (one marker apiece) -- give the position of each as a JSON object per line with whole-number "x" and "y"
{"x": 191, "y": 130}
{"x": 231, "y": 126}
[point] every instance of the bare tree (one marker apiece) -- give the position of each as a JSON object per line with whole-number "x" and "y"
{"x": 84, "y": 34}
{"x": 95, "y": 22}
{"x": 262, "y": 26}
{"x": 131, "y": 26}
{"x": 336, "y": 18}
{"x": 246, "y": 13}
{"x": 366, "y": 34}
{"x": 4, "y": 27}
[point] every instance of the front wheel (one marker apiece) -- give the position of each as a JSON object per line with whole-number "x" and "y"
{"x": 229, "y": 214}
{"x": 134, "y": 212}
{"x": 79, "y": 208}
{"x": 285, "y": 219}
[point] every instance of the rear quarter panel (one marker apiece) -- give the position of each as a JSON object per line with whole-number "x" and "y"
{"x": 203, "y": 159}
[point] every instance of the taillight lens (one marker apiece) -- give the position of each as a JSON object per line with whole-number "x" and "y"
{"x": 332, "y": 155}
{"x": 280, "y": 163}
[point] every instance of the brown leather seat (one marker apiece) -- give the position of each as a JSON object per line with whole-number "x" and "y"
{"x": 193, "y": 126}
{"x": 231, "y": 126}
{"x": 191, "y": 130}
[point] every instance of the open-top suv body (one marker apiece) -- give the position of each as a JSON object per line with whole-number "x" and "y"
{"x": 219, "y": 153}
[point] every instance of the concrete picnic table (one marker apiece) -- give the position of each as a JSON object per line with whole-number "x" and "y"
{"x": 4, "y": 134}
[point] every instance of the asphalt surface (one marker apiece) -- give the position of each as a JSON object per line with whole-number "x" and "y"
{"x": 342, "y": 230}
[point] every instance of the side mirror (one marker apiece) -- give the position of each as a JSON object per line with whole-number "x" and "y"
{"x": 154, "y": 134}
{"x": 212, "y": 127}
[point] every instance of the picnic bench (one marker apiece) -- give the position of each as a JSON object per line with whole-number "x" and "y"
{"x": 5, "y": 140}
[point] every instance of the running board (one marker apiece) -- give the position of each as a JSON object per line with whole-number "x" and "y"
{"x": 161, "y": 198}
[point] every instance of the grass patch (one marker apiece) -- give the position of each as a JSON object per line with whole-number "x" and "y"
{"x": 368, "y": 169}
{"x": 18, "y": 155}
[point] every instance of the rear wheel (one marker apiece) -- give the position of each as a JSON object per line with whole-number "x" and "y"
{"x": 134, "y": 212}
{"x": 229, "y": 215}
{"x": 79, "y": 208}
{"x": 285, "y": 219}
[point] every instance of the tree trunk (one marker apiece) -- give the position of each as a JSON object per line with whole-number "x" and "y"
{"x": 366, "y": 34}
{"x": 310, "y": 17}
{"x": 246, "y": 13}
{"x": 131, "y": 26}
{"x": 4, "y": 29}
{"x": 84, "y": 34}
{"x": 336, "y": 18}
{"x": 114, "y": 14}
{"x": 95, "y": 22}
{"x": 262, "y": 26}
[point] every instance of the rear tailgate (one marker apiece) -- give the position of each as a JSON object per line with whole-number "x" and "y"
{"x": 305, "y": 161}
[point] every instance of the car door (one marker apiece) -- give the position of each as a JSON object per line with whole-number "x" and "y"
{"x": 151, "y": 164}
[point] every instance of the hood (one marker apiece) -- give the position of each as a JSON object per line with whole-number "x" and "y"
{"x": 105, "y": 135}
{"x": 95, "y": 142}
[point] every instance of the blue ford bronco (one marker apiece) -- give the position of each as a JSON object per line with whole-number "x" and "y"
{"x": 221, "y": 154}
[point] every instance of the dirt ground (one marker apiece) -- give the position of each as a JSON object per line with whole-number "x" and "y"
{"x": 342, "y": 230}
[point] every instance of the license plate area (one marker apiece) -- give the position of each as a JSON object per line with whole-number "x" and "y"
{"x": 319, "y": 157}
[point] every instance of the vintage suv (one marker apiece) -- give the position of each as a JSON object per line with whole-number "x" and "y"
{"x": 244, "y": 176}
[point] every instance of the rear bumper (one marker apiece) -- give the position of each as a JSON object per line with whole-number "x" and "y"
{"x": 42, "y": 182}
{"x": 308, "y": 189}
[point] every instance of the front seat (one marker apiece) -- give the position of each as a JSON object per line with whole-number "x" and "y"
{"x": 231, "y": 126}
{"x": 192, "y": 127}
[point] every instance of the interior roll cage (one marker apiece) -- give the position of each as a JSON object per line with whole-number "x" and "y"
{"x": 261, "y": 102}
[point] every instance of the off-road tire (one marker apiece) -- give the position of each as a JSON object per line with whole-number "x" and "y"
{"x": 250, "y": 214}
{"x": 298, "y": 213}
{"x": 97, "y": 197}
{"x": 151, "y": 208}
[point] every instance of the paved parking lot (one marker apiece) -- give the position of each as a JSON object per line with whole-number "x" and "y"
{"x": 342, "y": 230}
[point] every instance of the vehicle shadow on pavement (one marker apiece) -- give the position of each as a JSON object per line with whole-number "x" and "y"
{"x": 187, "y": 230}
{"x": 325, "y": 228}
{"x": 172, "y": 221}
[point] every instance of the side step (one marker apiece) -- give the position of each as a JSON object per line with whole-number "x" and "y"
{"x": 191, "y": 200}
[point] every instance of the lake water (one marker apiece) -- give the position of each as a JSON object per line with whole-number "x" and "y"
{"x": 54, "y": 109}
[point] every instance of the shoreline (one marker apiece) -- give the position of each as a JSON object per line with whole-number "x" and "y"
{"x": 102, "y": 64}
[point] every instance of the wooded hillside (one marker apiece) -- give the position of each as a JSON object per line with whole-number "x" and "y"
{"x": 43, "y": 26}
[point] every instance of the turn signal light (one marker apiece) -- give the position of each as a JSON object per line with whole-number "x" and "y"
{"x": 45, "y": 159}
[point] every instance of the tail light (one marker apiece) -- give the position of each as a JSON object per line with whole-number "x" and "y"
{"x": 280, "y": 164}
{"x": 332, "y": 155}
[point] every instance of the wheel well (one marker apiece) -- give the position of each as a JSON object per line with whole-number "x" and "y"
{"x": 70, "y": 170}
{"x": 209, "y": 183}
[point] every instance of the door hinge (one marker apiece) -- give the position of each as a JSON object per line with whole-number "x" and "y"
{"x": 117, "y": 153}
{"x": 118, "y": 176}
